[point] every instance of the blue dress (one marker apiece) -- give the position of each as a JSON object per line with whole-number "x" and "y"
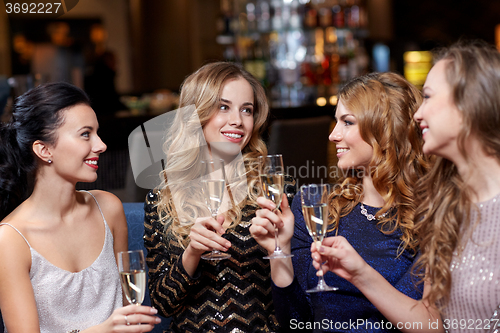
{"x": 347, "y": 309}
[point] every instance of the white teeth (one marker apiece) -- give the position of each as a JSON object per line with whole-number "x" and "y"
{"x": 233, "y": 135}
{"x": 91, "y": 162}
{"x": 425, "y": 130}
{"x": 342, "y": 150}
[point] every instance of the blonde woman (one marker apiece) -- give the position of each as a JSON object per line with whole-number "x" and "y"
{"x": 231, "y": 295}
{"x": 372, "y": 205}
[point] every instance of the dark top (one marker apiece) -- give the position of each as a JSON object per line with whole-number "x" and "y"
{"x": 347, "y": 309}
{"x": 232, "y": 295}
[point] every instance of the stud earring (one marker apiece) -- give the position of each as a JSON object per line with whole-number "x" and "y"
{"x": 49, "y": 161}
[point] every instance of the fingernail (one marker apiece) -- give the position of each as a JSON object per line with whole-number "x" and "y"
{"x": 321, "y": 249}
{"x": 154, "y": 311}
{"x": 158, "y": 320}
{"x": 228, "y": 245}
{"x": 272, "y": 205}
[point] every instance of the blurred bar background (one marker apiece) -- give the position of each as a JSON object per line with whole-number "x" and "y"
{"x": 131, "y": 56}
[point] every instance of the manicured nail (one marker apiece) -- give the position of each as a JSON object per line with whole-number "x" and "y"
{"x": 321, "y": 249}
{"x": 154, "y": 311}
{"x": 158, "y": 320}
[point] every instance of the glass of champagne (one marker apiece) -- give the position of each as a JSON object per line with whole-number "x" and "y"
{"x": 132, "y": 268}
{"x": 213, "y": 182}
{"x": 315, "y": 209}
{"x": 272, "y": 181}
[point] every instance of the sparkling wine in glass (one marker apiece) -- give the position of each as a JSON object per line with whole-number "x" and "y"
{"x": 272, "y": 181}
{"x": 213, "y": 182}
{"x": 132, "y": 268}
{"x": 315, "y": 210}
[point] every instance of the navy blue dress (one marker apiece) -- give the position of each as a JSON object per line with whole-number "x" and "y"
{"x": 347, "y": 309}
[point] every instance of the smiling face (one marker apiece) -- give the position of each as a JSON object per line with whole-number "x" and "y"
{"x": 232, "y": 123}
{"x": 352, "y": 150}
{"x": 76, "y": 153}
{"x": 439, "y": 118}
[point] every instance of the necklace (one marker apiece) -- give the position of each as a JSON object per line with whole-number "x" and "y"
{"x": 370, "y": 217}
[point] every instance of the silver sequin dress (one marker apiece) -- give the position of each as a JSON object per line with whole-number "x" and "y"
{"x": 68, "y": 301}
{"x": 475, "y": 291}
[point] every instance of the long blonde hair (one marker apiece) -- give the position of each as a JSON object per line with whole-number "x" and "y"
{"x": 384, "y": 105}
{"x": 473, "y": 72}
{"x": 183, "y": 148}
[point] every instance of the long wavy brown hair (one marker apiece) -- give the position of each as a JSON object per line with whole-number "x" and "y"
{"x": 384, "y": 105}
{"x": 184, "y": 146}
{"x": 472, "y": 70}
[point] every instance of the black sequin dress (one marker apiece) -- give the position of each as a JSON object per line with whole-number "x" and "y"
{"x": 347, "y": 309}
{"x": 232, "y": 295}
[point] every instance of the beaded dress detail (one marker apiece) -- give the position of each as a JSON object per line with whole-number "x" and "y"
{"x": 475, "y": 273}
{"x": 231, "y": 295}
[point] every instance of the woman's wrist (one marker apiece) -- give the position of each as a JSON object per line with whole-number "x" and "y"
{"x": 190, "y": 260}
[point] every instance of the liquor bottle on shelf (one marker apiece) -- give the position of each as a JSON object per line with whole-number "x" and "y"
{"x": 251, "y": 16}
{"x": 263, "y": 15}
{"x": 277, "y": 15}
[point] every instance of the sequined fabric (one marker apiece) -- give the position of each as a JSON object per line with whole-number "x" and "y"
{"x": 69, "y": 301}
{"x": 232, "y": 295}
{"x": 475, "y": 273}
{"x": 344, "y": 310}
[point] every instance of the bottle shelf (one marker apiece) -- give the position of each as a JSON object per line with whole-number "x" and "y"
{"x": 300, "y": 50}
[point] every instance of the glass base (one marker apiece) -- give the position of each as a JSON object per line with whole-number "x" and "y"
{"x": 216, "y": 255}
{"x": 278, "y": 255}
{"x": 322, "y": 286}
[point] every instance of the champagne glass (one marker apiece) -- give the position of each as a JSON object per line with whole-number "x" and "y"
{"x": 213, "y": 182}
{"x": 132, "y": 268}
{"x": 272, "y": 182}
{"x": 315, "y": 209}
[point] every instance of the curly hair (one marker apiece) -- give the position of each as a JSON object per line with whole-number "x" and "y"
{"x": 183, "y": 148}
{"x": 384, "y": 105}
{"x": 472, "y": 70}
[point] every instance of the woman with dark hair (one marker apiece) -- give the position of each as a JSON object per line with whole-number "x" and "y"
{"x": 380, "y": 158}
{"x": 457, "y": 216}
{"x": 58, "y": 246}
{"x": 227, "y": 110}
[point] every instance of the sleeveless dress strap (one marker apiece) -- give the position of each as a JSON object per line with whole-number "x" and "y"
{"x": 100, "y": 210}
{"x": 10, "y": 225}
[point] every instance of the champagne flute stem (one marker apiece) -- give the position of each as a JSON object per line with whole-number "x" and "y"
{"x": 277, "y": 247}
{"x": 214, "y": 216}
{"x": 276, "y": 240}
{"x": 321, "y": 277}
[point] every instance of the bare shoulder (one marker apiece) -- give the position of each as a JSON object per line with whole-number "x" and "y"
{"x": 111, "y": 207}
{"x": 14, "y": 249}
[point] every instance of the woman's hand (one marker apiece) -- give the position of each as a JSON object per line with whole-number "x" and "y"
{"x": 265, "y": 222}
{"x": 205, "y": 235}
{"x": 130, "y": 318}
{"x": 338, "y": 256}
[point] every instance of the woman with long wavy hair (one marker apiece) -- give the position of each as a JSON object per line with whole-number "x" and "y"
{"x": 457, "y": 215}
{"x": 222, "y": 112}
{"x": 372, "y": 205}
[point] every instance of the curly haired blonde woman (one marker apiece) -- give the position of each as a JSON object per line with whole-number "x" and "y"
{"x": 381, "y": 159}
{"x": 231, "y": 295}
{"x": 458, "y": 200}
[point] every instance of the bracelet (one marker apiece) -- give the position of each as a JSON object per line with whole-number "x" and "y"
{"x": 73, "y": 331}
